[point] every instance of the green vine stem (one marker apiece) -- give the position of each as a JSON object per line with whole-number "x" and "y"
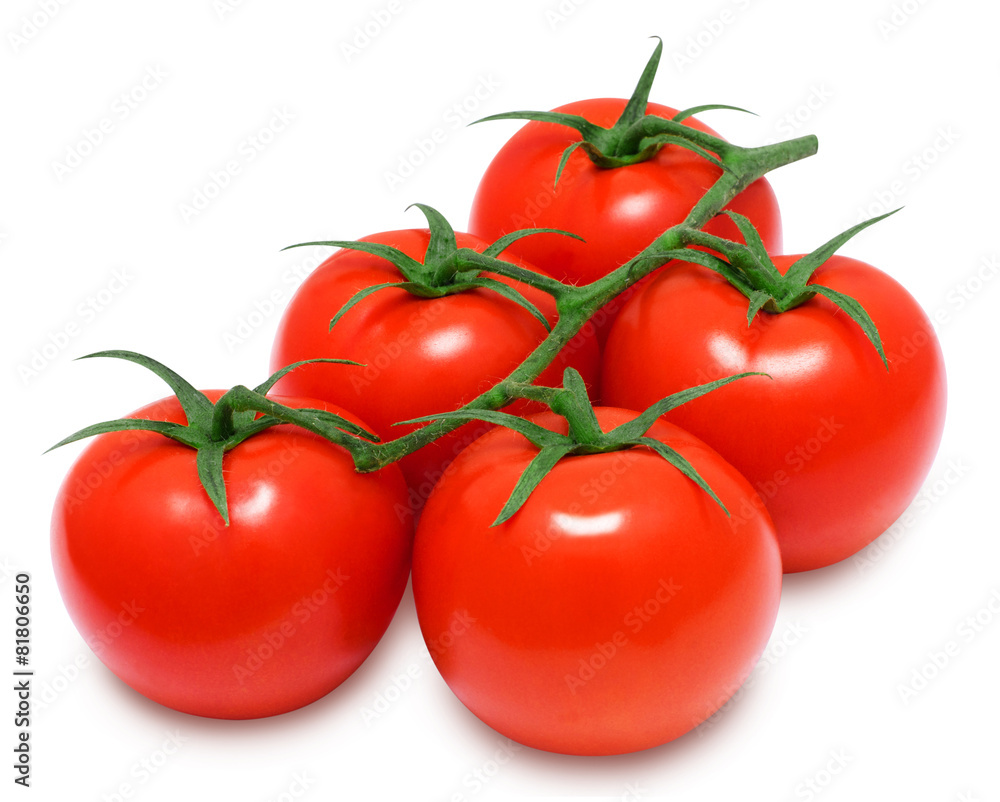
{"x": 576, "y": 304}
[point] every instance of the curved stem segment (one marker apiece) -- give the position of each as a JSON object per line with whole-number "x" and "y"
{"x": 576, "y": 305}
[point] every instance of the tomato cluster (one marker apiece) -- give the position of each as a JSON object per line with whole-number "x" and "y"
{"x": 588, "y": 579}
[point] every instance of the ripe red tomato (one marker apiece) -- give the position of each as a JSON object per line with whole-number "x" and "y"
{"x": 615, "y": 611}
{"x": 254, "y": 619}
{"x": 836, "y": 445}
{"x": 421, "y": 355}
{"x": 617, "y": 211}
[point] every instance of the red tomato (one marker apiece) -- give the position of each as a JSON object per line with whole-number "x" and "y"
{"x": 617, "y": 211}
{"x": 615, "y": 611}
{"x": 422, "y": 355}
{"x": 836, "y": 445}
{"x": 254, "y": 619}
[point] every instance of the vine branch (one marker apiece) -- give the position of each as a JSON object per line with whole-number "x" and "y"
{"x": 577, "y": 304}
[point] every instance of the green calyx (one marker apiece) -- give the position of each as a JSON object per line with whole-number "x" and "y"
{"x": 212, "y": 429}
{"x": 750, "y": 270}
{"x": 448, "y": 269}
{"x": 636, "y": 136}
{"x": 585, "y": 435}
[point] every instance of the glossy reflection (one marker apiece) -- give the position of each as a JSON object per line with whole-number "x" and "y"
{"x": 606, "y": 524}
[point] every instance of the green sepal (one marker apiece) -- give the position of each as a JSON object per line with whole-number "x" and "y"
{"x": 684, "y": 114}
{"x": 482, "y": 282}
{"x": 507, "y": 240}
{"x": 265, "y": 387}
{"x": 676, "y": 459}
{"x": 337, "y": 422}
{"x": 537, "y": 435}
{"x": 209, "y": 461}
{"x": 544, "y": 461}
{"x": 588, "y": 130}
{"x": 500, "y": 267}
{"x": 511, "y": 294}
{"x": 752, "y": 238}
{"x": 649, "y": 146}
{"x": 326, "y": 424}
{"x": 175, "y": 431}
{"x": 801, "y": 271}
{"x": 442, "y": 243}
{"x": 637, "y": 427}
{"x": 361, "y": 295}
{"x": 565, "y": 158}
{"x": 758, "y": 298}
{"x": 857, "y": 313}
{"x": 192, "y": 401}
{"x": 635, "y": 109}
{"x": 712, "y": 262}
{"x": 406, "y": 265}
{"x": 573, "y": 403}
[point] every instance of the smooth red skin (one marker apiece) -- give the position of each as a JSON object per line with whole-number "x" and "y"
{"x": 538, "y": 613}
{"x": 617, "y": 211}
{"x": 831, "y": 499}
{"x": 422, "y": 355}
{"x": 147, "y": 535}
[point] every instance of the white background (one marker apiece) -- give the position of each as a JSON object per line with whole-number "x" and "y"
{"x": 903, "y": 99}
